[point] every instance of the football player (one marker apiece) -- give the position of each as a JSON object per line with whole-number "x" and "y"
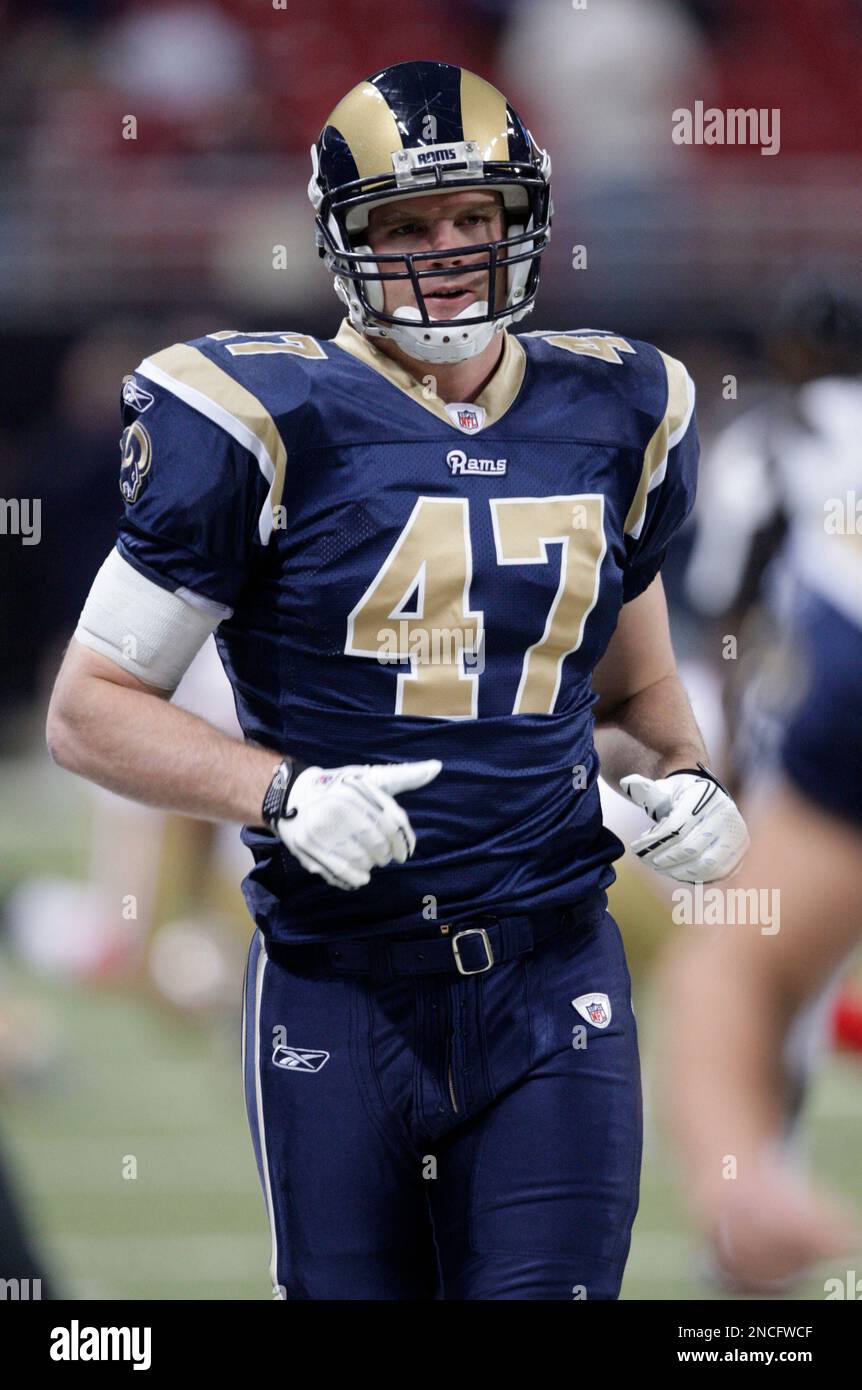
{"x": 761, "y": 498}
{"x": 728, "y": 1087}
{"x": 427, "y": 546}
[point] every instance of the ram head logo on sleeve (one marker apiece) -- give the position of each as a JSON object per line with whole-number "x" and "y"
{"x": 136, "y": 452}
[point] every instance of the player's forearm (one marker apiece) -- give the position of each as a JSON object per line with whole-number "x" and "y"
{"x": 142, "y": 747}
{"x": 653, "y": 732}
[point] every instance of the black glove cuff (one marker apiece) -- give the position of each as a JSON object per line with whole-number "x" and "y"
{"x": 274, "y": 807}
{"x": 700, "y": 771}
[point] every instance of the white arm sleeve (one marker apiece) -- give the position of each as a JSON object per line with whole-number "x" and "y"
{"x": 144, "y": 628}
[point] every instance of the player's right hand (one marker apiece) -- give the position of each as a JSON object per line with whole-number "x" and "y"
{"x": 341, "y": 822}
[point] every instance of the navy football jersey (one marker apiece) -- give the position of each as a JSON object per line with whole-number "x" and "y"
{"x": 821, "y": 747}
{"x": 398, "y": 578}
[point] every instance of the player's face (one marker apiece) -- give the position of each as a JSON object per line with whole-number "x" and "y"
{"x": 449, "y": 224}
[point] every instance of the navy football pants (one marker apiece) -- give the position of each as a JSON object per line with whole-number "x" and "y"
{"x": 447, "y": 1136}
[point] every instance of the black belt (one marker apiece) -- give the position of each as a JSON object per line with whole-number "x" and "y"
{"x": 469, "y": 947}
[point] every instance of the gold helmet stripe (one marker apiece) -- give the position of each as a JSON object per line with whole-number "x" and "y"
{"x": 364, "y": 118}
{"x": 483, "y": 116}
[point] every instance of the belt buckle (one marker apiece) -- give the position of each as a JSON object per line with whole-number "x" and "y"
{"x": 486, "y": 941}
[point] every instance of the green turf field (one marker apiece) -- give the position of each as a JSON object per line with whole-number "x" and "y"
{"x": 131, "y": 1080}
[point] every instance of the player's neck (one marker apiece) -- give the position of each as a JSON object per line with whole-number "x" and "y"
{"x": 451, "y": 381}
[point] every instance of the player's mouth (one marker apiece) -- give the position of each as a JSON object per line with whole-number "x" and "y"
{"x": 444, "y": 301}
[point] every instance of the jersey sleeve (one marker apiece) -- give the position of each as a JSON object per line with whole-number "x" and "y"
{"x": 668, "y": 482}
{"x": 200, "y": 466}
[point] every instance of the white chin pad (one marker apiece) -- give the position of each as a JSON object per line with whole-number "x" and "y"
{"x": 453, "y": 341}
{"x": 411, "y": 314}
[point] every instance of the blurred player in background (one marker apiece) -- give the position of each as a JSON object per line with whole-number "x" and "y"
{"x": 766, "y": 478}
{"x": 737, "y": 998}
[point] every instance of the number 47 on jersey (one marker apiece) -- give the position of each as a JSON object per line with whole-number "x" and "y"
{"x": 430, "y": 568}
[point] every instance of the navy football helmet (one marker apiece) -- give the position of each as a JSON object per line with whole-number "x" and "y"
{"x": 418, "y": 128}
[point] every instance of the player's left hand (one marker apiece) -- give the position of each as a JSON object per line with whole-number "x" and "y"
{"x": 770, "y": 1228}
{"x": 699, "y": 833}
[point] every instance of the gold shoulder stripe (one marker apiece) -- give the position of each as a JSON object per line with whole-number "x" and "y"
{"x": 673, "y": 424}
{"x": 187, "y": 373}
{"x": 495, "y": 400}
{"x": 364, "y": 118}
{"x": 483, "y": 116}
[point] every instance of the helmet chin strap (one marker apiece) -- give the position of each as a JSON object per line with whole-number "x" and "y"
{"x": 442, "y": 343}
{"x": 438, "y": 344}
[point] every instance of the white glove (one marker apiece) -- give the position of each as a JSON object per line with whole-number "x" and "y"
{"x": 341, "y": 822}
{"x": 699, "y": 834}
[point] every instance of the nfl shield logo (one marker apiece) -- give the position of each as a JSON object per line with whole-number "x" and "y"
{"x": 595, "y": 1008}
{"x": 468, "y": 418}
